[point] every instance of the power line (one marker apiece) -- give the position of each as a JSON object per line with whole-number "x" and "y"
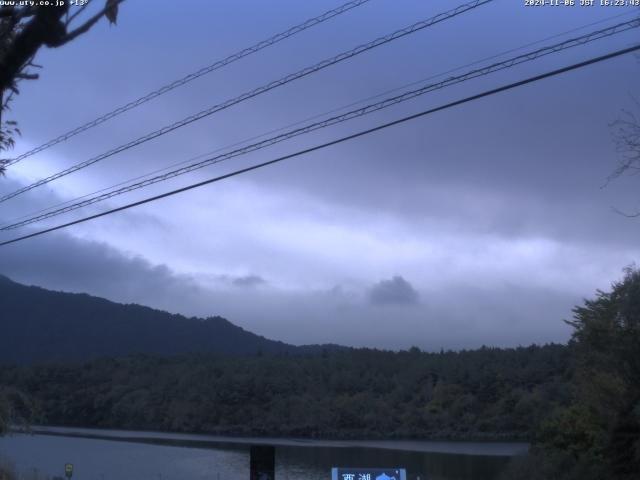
{"x": 312, "y": 22}
{"x": 338, "y": 119}
{"x": 478, "y": 96}
{"x": 320, "y": 115}
{"x": 495, "y": 67}
{"x": 258, "y": 91}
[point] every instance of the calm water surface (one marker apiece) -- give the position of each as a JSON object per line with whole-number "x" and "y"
{"x": 130, "y": 456}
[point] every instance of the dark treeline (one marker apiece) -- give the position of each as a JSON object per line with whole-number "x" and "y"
{"x": 485, "y": 393}
{"x": 597, "y": 435}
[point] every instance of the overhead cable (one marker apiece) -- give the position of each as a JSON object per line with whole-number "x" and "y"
{"x": 362, "y": 133}
{"x": 255, "y": 92}
{"x": 359, "y": 112}
{"x": 312, "y": 22}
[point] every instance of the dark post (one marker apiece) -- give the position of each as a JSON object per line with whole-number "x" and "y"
{"x": 262, "y": 462}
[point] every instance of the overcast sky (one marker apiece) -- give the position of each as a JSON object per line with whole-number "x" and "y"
{"x": 482, "y": 224}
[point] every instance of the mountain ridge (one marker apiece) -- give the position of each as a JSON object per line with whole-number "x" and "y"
{"x": 42, "y": 325}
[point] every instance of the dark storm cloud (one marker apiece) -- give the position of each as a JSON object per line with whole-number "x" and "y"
{"x": 393, "y": 291}
{"x": 249, "y": 281}
{"x": 61, "y": 262}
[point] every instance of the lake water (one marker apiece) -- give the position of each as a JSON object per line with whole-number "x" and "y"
{"x": 124, "y": 455}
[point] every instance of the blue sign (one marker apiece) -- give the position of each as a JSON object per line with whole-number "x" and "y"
{"x": 368, "y": 474}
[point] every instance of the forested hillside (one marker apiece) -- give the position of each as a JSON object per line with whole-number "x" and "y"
{"x": 597, "y": 435}
{"x": 41, "y": 325}
{"x": 486, "y": 393}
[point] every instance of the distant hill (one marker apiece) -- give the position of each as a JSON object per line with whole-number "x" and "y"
{"x": 39, "y": 325}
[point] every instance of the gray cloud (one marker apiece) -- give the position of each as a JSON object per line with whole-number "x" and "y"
{"x": 502, "y": 193}
{"x": 494, "y": 315}
{"x": 396, "y": 291}
{"x": 337, "y": 303}
{"x": 61, "y": 262}
{"x": 249, "y": 281}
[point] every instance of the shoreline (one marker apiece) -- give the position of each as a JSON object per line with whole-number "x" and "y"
{"x": 456, "y": 447}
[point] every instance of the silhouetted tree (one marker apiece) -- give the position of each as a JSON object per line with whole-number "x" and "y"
{"x": 626, "y": 134}
{"x": 607, "y": 344}
{"x": 26, "y": 29}
{"x": 598, "y": 435}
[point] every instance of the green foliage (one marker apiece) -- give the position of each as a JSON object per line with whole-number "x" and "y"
{"x": 16, "y": 409}
{"x": 4, "y": 415}
{"x": 8, "y": 471}
{"x": 486, "y": 393}
{"x": 598, "y": 435}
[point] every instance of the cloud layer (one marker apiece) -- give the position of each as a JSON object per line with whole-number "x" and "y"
{"x": 483, "y": 224}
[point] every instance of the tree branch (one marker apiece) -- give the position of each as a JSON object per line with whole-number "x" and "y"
{"x": 16, "y": 13}
{"x": 45, "y": 28}
{"x": 86, "y": 26}
{"x": 27, "y": 76}
{"x": 42, "y": 29}
{"x": 23, "y": 31}
{"x": 78, "y": 12}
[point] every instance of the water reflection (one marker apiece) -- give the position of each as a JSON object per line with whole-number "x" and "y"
{"x": 294, "y": 463}
{"x": 99, "y": 459}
